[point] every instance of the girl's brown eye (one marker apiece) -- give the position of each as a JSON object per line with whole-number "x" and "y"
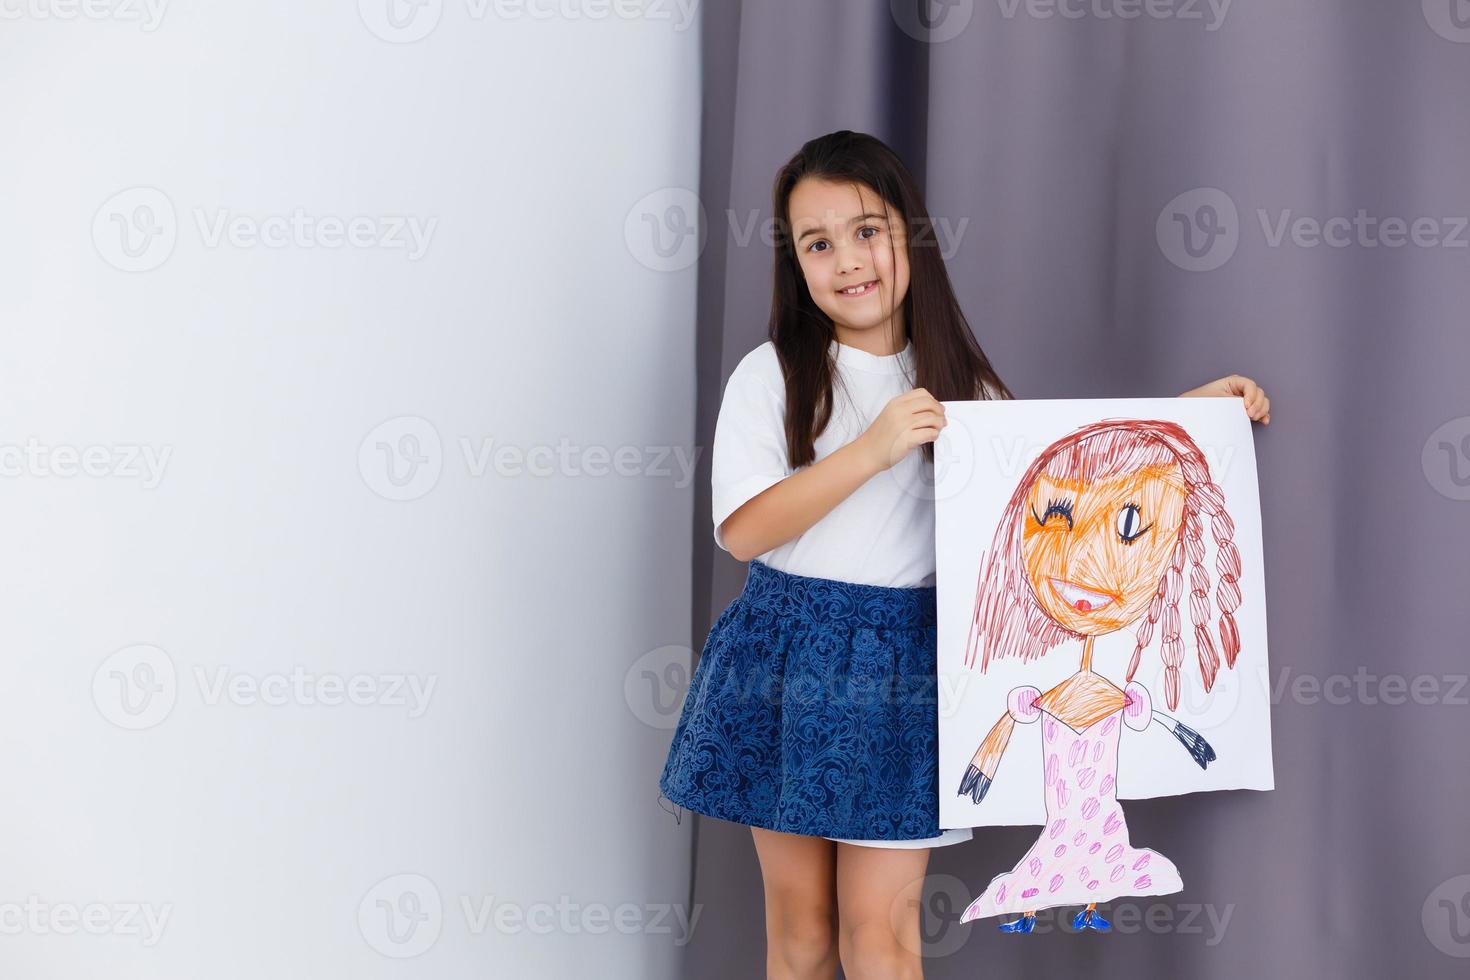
{"x": 867, "y": 228}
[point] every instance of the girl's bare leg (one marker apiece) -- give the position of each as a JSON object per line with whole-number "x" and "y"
{"x": 879, "y": 896}
{"x": 799, "y": 875}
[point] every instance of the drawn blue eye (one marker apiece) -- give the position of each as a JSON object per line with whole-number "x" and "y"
{"x": 1129, "y": 519}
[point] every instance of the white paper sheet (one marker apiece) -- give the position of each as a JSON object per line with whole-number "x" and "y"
{"x": 981, "y": 458}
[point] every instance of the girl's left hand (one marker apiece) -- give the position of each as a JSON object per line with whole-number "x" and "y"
{"x": 1257, "y": 405}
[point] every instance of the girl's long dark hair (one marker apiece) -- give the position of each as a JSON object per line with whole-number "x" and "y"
{"x": 948, "y": 361}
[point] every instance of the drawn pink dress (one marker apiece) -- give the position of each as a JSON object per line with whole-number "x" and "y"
{"x": 1083, "y": 854}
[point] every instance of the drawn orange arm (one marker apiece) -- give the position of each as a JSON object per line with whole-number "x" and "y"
{"x": 1020, "y": 707}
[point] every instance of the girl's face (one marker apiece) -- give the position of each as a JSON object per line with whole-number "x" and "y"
{"x": 854, "y": 259}
{"x": 1095, "y": 552}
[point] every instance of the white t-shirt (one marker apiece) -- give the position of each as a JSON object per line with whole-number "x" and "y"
{"x": 883, "y": 533}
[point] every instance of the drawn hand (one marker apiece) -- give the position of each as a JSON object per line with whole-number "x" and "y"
{"x": 975, "y": 783}
{"x": 1257, "y": 405}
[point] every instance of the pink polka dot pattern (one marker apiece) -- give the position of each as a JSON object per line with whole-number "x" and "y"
{"x": 1083, "y": 853}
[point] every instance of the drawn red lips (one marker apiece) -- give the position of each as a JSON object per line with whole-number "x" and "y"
{"x": 1080, "y": 598}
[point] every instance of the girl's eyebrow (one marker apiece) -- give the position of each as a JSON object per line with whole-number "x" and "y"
{"x": 851, "y": 221}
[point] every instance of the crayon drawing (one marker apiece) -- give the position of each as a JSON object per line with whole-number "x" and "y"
{"x": 1119, "y": 533}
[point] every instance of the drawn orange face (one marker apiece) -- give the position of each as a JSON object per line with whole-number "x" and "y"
{"x": 1095, "y": 552}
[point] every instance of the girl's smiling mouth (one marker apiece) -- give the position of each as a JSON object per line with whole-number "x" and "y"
{"x": 861, "y": 289}
{"x": 1078, "y": 598}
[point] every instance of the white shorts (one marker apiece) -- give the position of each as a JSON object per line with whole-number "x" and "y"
{"x": 945, "y": 837}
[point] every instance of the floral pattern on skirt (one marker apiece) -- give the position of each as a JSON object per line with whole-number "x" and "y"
{"x": 812, "y": 711}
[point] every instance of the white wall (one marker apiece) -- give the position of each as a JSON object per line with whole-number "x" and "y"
{"x": 200, "y": 476}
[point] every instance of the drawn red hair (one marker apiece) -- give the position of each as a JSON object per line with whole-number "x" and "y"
{"x": 1008, "y": 620}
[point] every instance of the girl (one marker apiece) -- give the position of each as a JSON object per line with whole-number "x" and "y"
{"x": 811, "y": 715}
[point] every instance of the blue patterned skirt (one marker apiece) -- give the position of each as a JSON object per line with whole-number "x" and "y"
{"x": 812, "y": 711}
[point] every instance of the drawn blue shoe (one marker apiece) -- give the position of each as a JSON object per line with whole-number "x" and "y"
{"x": 1089, "y": 919}
{"x": 1025, "y": 923}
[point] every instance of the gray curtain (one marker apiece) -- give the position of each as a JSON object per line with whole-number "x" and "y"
{"x": 1057, "y": 147}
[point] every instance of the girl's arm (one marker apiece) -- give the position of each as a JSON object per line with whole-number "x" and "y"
{"x": 787, "y": 509}
{"x": 1257, "y": 405}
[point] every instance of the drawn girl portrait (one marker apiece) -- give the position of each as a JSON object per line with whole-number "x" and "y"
{"x": 1105, "y": 531}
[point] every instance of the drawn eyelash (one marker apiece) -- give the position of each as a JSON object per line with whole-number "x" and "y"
{"x": 1063, "y": 507}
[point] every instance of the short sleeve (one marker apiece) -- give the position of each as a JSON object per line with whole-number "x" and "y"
{"x": 750, "y": 445}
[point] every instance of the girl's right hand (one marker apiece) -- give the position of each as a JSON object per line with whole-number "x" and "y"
{"x": 906, "y": 422}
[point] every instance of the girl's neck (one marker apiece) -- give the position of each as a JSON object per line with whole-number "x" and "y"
{"x": 880, "y": 341}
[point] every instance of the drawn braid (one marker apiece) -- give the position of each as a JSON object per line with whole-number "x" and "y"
{"x": 1171, "y": 647}
{"x": 1227, "y": 562}
{"x": 1199, "y": 594}
{"x": 1146, "y": 631}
